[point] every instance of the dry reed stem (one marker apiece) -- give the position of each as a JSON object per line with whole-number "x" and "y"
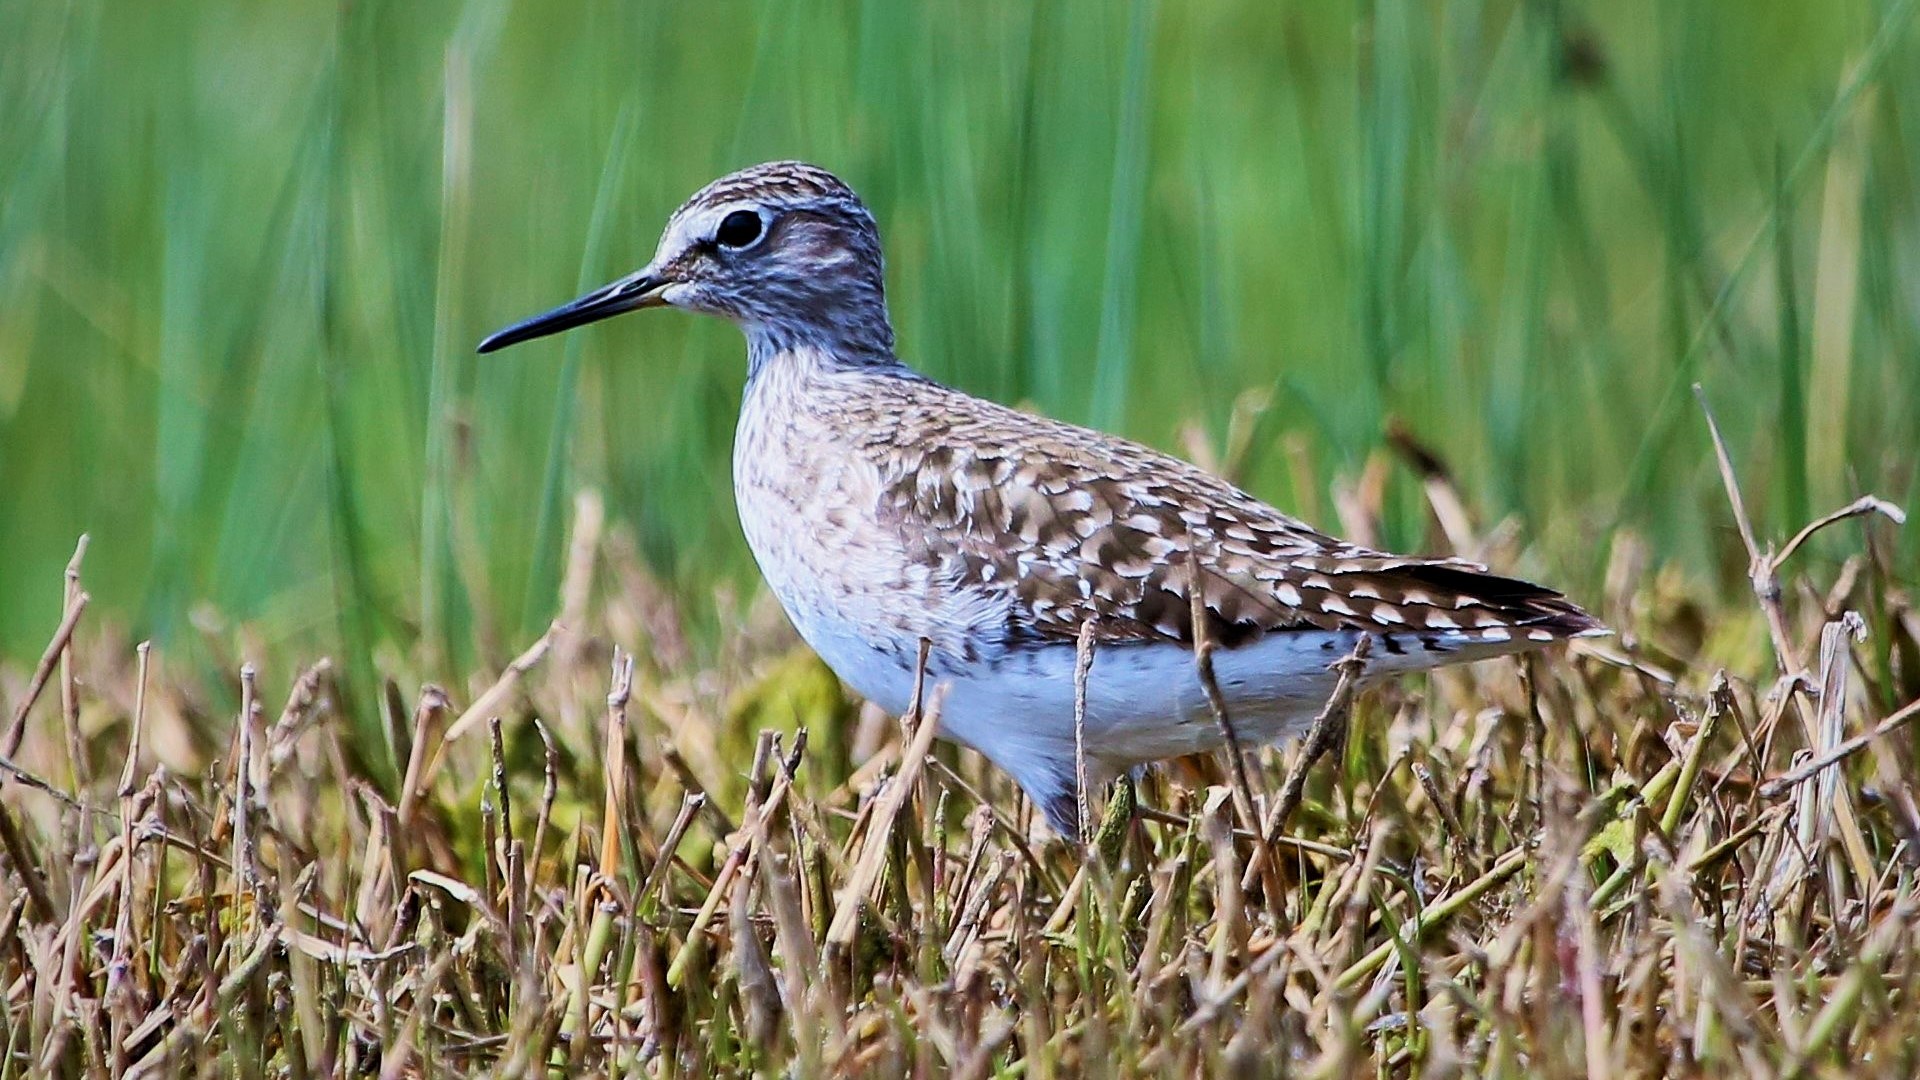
{"x": 1082, "y": 667}
{"x": 1780, "y": 785}
{"x": 69, "y": 695}
{"x": 616, "y": 758}
{"x": 16, "y": 728}
{"x": 1325, "y": 733}
{"x": 496, "y": 696}
{"x": 1243, "y": 793}
{"x": 866, "y": 869}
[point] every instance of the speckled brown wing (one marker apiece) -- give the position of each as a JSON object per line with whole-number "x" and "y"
{"x": 1076, "y": 525}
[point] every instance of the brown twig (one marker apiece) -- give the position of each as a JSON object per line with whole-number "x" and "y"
{"x": 26, "y": 778}
{"x": 25, "y": 866}
{"x": 433, "y": 704}
{"x": 1243, "y": 794}
{"x": 245, "y": 853}
{"x": 866, "y": 871}
{"x": 549, "y": 790}
{"x": 303, "y": 707}
{"x": 1009, "y": 827}
{"x": 497, "y": 750}
{"x": 77, "y": 768}
{"x": 1863, "y": 506}
{"x": 1322, "y": 736}
{"x": 125, "y": 788}
{"x": 490, "y": 702}
{"x": 616, "y": 763}
{"x": 690, "y": 804}
{"x": 1082, "y": 667}
{"x": 16, "y": 729}
{"x": 760, "y": 812}
{"x": 1780, "y": 785}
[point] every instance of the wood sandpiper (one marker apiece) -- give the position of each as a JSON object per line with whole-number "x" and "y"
{"x": 885, "y": 509}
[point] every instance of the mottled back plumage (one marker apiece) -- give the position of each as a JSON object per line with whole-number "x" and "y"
{"x": 1080, "y": 526}
{"x": 885, "y": 509}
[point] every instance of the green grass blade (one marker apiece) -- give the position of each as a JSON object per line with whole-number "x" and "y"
{"x": 1113, "y": 362}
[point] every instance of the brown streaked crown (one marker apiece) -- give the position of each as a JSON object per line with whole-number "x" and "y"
{"x": 785, "y": 181}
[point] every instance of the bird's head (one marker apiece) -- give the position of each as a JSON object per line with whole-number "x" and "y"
{"x": 785, "y": 250}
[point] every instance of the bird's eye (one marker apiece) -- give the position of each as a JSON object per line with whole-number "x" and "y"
{"x": 738, "y": 229}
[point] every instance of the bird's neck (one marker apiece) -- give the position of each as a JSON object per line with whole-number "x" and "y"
{"x": 848, "y": 338}
{"x": 841, "y": 318}
{"x": 784, "y": 382}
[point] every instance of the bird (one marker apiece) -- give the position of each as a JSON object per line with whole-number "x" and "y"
{"x": 920, "y": 537}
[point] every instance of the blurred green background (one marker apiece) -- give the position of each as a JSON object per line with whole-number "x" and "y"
{"x": 246, "y": 251}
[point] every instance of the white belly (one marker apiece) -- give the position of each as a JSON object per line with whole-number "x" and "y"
{"x": 1144, "y": 700}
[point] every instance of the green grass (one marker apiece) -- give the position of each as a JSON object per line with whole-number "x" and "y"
{"x": 244, "y": 256}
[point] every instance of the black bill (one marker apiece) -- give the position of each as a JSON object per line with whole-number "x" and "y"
{"x": 638, "y": 291}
